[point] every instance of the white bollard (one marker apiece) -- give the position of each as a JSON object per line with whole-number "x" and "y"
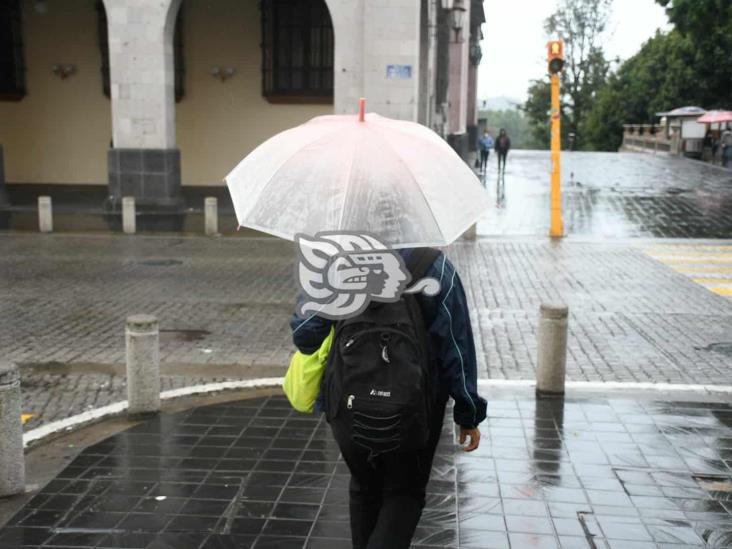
{"x": 12, "y": 460}
{"x": 45, "y": 214}
{"x": 552, "y": 350}
{"x": 143, "y": 365}
{"x": 211, "y": 216}
{"x": 128, "y": 214}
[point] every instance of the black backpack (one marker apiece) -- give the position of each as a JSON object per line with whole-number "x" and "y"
{"x": 380, "y": 382}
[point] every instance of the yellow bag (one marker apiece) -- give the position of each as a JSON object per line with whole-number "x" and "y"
{"x": 302, "y": 381}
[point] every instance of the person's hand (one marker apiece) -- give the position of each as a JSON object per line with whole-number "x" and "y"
{"x": 473, "y": 435}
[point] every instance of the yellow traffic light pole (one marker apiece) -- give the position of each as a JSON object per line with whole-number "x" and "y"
{"x": 557, "y": 224}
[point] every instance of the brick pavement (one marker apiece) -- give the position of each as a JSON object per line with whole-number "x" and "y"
{"x": 224, "y": 305}
{"x": 707, "y": 264}
{"x": 612, "y": 195}
{"x": 593, "y": 473}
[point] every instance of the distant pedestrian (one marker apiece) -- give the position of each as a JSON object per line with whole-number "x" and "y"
{"x": 485, "y": 144}
{"x": 503, "y": 145}
{"x": 726, "y": 141}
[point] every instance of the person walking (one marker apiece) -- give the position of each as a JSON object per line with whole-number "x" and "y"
{"x": 485, "y": 145}
{"x": 387, "y": 488}
{"x": 726, "y": 141}
{"x": 503, "y": 145}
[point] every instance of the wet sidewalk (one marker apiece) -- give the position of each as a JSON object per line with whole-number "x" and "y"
{"x": 589, "y": 472}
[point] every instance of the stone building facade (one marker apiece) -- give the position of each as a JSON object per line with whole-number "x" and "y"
{"x": 147, "y": 96}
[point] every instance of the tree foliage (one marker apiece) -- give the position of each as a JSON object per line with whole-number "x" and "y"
{"x": 581, "y": 25}
{"x": 658, "y": 78}
{"x": 690, "y": 65}
{"x": 707, "y": 25}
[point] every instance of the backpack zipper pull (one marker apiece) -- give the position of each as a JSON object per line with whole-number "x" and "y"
{"x": 349, "y": 404}
{"x": 384, "y": 344}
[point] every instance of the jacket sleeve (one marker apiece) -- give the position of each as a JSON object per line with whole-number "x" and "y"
{"x": 308, "y": 333}
{"x": 452, "y": 340}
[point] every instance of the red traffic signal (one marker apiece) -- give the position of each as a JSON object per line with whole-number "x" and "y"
{"x": 555, "y": 56}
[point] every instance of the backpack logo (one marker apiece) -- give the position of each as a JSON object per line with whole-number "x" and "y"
{"x": 340, "y": 273}
{"x": 377, "y": 393}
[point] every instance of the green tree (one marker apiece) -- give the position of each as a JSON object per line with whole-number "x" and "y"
{"x": 536, "y": 110}
{"x": 658, "y": 78}
{"x": 581, "y": 25}
{"x": 707, "y": 25}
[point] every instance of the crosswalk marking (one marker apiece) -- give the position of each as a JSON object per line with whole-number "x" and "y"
{"x": 706, "y": 264}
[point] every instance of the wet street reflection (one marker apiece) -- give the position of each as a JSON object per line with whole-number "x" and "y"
{"x": 611, "y": 195}
{"x": 582, "y": 472}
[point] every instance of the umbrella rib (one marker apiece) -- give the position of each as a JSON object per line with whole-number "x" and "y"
{"x": 414, "y": 179}
{"x": 345, "y": 191}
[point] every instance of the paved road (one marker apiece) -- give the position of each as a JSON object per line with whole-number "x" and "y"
{"x": 224, "y": 305}
{"x": 707, "y": 264}
{"x": 612, "y": 195}
{"x": 603, "y": 473}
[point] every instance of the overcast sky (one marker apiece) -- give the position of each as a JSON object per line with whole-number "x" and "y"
{"x": 514, "y": 47}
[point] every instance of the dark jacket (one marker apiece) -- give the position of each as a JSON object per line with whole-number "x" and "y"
{"x": 450, "y": 339}
{"x": 503, "y": 144}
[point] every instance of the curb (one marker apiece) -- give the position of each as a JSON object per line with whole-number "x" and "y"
{"x": 74, "y": 422}
{"x": 117, "y": 408}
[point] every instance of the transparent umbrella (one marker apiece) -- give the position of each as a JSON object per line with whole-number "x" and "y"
{"x": 394, "y": 179}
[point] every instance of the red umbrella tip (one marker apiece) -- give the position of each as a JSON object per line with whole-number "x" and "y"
{"x": 361, "y": 109}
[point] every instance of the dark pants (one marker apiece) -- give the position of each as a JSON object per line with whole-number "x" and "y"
{"x": 388, "y": 495}
{"x": 502, "y": 159}
{"x": 484, "y": 154}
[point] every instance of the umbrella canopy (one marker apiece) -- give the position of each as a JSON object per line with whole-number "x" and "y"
{"x": 715, "y": 117}
{"x": 394, "y": 179}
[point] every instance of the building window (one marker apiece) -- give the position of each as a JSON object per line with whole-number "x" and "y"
{"x": 297, "y": 51}
{"x": 177, "y": 51}
{"x": 12, "y": 66}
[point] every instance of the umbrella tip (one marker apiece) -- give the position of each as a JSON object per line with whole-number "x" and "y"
{"x": 361, "y": 109}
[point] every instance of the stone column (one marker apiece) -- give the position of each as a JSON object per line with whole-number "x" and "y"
{"x": 12, "y": 461}
{"x": 144, "y": 161}
{"x": 472, "y": 108}
{"x": 457, "y": 91}
{"x": 377, "y": 56}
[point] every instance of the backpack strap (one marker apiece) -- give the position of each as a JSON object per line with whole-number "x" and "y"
{"x": 420, "y": 260}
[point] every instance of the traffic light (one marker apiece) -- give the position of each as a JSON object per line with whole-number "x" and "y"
{"x": 556, "y": 56}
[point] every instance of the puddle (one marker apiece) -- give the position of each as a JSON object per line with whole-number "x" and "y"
{"x": 161, "y": 262}
{"x": 723, "y": 348}
{"x": 183, "y": 335}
